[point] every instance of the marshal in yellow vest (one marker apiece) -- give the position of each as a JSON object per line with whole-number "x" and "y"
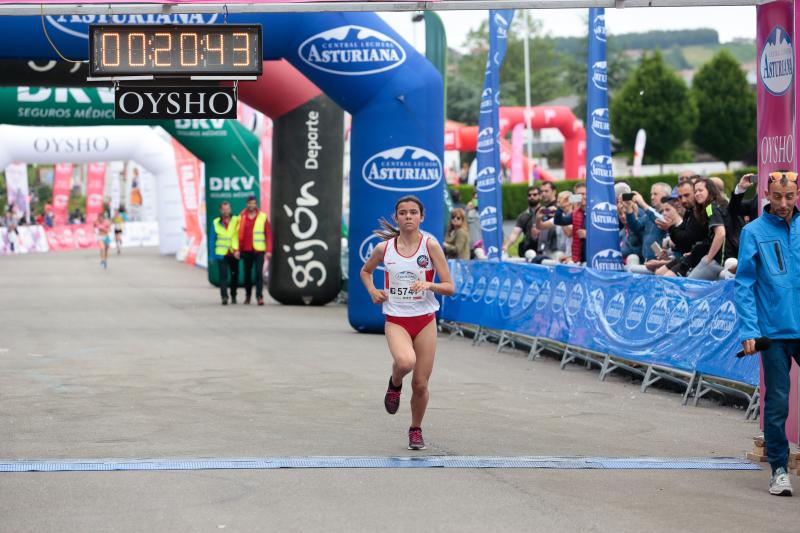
{"x": 227, "y": 239}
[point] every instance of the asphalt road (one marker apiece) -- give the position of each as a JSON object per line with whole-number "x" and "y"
{"x": 141, "y": 361}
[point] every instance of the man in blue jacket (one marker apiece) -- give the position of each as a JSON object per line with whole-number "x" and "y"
{"x": 768, "y": 305}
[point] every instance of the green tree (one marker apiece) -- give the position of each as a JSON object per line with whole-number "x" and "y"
{"x": 727, "y": 109}
{"x": 618, "y": 69}
{"x": 466, "y": 74}
{"x": 656, "y": 99}
{"x": 463, "y": 100}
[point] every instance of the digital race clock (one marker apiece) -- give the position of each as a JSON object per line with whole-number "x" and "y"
{"x": 173, "y": 50}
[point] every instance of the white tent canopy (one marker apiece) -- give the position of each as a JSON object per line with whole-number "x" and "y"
{"x": 89, "y": 144}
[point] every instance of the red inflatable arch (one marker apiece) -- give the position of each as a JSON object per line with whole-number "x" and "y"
{"x": 560, "y": 117}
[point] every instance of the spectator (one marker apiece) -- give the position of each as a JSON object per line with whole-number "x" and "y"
{"x": 620, "y": 188}
{"x": 48, "y": 216}
{"x": 551, "y": 237}
{"x": 526, "y": 225}
{"x": 745, "y": 210}
{"x": 12, "y": 234}
{"x": 720, "y": 186}
{"x": 456, "y": 242}
{"x": 10, "y": 217}
{"x": 575, "y": 219}
{"x": 711, "y": 211}
{"x": 668, "y": 213}
{"x": 686, "y": 175}
{"x": 463, "y": 175}
{"x": 630, "y": 243}
{"x": 645, "y": 224}
{"x": 77, "y": 217}
{"x": 473, "y": 220}
{"x": 766, "y": 298}
{"x": 686, "y": 233}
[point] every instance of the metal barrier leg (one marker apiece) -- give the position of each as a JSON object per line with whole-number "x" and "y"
{"x": 478, "y": 339}
{"x": 647, "y": 381}
{"x": 607, "y": 368}
{"x": 505, "y": 340}
{"x": 566, "y": 357}
{"x": 534, "y": 351}
{"x": 753, "y": 408}
{"x": 456, "y": 331}
{"x": 700, "y": 391}
{"x": 689, "y": 388}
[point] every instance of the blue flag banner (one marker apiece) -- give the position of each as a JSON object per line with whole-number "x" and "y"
{"x": 678, "y": 323}
{"x": 490, "y": 197}
{"x": 602, "y": 222}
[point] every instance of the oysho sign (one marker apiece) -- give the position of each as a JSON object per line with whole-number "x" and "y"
{"x": 70, "y": 145}
{"x": 776, "y": 64}
{"x": 352, "y": 51}
{"x": 148, "y": 103}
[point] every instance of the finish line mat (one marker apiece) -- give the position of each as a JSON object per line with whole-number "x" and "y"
{"x": 422, "y": 461}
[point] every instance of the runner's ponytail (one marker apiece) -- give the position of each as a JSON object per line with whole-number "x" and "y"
{"x": 387, "y": 231}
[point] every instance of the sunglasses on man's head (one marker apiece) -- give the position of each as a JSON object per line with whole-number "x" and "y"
{"x": 777, "y": 176}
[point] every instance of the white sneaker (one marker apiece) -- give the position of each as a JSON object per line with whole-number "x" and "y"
{"x": 779, "y": 484}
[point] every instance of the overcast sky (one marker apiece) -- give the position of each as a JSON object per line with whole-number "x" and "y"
{"x": 730, "y": 22}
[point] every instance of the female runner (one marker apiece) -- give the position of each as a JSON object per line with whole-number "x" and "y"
{"x": 410, "y": 260}
{"x": 103, "y": 228}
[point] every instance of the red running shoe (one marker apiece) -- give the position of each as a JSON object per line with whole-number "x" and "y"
{"x": 392, "y": 399}
{"x": 415, "y": 441}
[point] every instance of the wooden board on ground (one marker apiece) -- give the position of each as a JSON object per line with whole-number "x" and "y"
{"x": 758, "y": 458}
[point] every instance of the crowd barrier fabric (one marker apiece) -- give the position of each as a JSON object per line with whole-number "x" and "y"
{"x": 26, "y": 240}
{"x": 677, "y": 323}
{"x": 33, "y": 239}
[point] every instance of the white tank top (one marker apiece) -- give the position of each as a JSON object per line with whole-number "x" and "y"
{"x": 400, "y": 273}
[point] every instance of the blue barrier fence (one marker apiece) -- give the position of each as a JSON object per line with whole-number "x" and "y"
{"x": 678, "y": 323}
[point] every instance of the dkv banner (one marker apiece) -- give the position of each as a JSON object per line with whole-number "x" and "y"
{"x": 490, "y": 198}
{"x": 95, "y": 185}
{"x": 602, "y": 223}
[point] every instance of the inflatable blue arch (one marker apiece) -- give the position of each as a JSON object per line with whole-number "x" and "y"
{"x": 393, "y": 93}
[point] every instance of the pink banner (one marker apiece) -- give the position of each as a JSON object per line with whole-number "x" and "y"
{"x": 71, "y": 237}
{"x": 62, "y": 185}
{"x": 777, "y": 146}
{"x": 189, "y": 176}
{"x": 265, "y": 151}
{"x": 95, "y": 185}
{"x": 517, "y": 171}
